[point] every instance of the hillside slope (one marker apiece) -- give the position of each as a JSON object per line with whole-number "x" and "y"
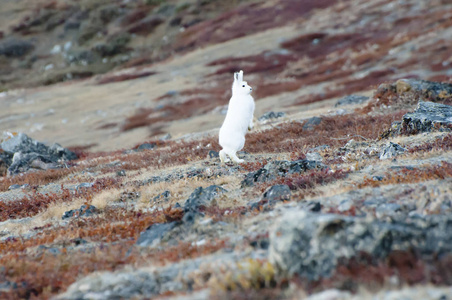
{"x": 346, "y": 188}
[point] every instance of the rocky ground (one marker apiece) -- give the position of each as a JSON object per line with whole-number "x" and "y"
{"x": 111, "y": 185}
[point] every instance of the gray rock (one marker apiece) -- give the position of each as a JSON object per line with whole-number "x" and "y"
{"x": 311, "y": 123}
{"x": 121, "y": 173}
{"x": 428, "y": 116}
{"x": 15, "y": 48}
{"x": 271, "y": 196}
{"x": 203, "y": 197}
{"x": 271, "y": 115}
{"x": 428, "y": 90}
{"x": 315, "y": 156}
{"x": 155, "y": 233}
{"x": 83, "y": 211}
{"x": 213, "y": 154}
{"x": 26, "y": 153}
{"x": 22, "y": 162}
{"x": 310, "y": 245}
{"x": 18, "y": 186}
{"x": 275, "y": 169}
{"x": 280, "y": 192}
{"x": 351, "y": 99}
{"x": 146, "y": 146}
{"x": 391, "y": 151}
{"x": 84, "y": 185}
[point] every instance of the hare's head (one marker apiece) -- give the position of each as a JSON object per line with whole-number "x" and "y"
{"x": 240, "y": 87}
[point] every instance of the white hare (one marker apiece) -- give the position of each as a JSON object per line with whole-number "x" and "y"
{"x": 239, "y": 119}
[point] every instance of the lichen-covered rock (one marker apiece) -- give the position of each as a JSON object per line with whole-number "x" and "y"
{"x": 162, "y": 197}
{"x": 428, "y": 116}
{"x": 311, "y": 123}
{"x": 280, "y": 192}
{"x": 428, "y": 90}
{"x": 271, "y": 196}
{"x": 21, "y": 153}
{"x": 271, "y": 115}
{"x": 83, "y": 211}
{"x": 311, "y": 245}
{"x": 155, "y": 233}
{"x": 391, "y": 150}
{"x": 275, "y": 169}
{"x": 203, "y": 197}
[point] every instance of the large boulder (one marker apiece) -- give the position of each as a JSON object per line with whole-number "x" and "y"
{"x": 311, "y": 245}
{"x": 20, "y": 153}
{"x": 203, "y": 197}
{"x": 428, "y": 116}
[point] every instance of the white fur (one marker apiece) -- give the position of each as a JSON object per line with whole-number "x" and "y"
{"x": 239, "y": 119}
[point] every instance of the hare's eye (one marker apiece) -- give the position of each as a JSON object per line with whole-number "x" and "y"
{"x": 243, "y": 85}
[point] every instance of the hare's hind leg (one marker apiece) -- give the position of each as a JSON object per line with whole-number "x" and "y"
{"x": 234, "y": 158}
{"x": 223, "y": 157}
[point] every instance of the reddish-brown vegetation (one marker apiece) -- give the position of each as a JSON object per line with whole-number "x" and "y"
{"x": 247, "y": 19}
{"x": 199, "y": 101}
{"x": 36, "y": 178}
{"x": 372, "y": 273}
{"x": 123, "y": 77}
{"x": 411, "y": 175}
{"x": 333, "y": 131}
{"x": 444, "y": 143}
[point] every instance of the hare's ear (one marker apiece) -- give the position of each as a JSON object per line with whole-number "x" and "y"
{"x": 240, "y": 76}
{"x": 236, "y": 76}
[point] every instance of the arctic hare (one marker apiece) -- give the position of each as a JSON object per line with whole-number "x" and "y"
{"x": 239, "y": 119}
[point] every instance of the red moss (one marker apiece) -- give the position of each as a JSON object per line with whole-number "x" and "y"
{"x": 266, "y": 63}
{"x": 245, "y": 20}
{"x": 411, "y": 176}
{"x": 332, "y": 131}
{"x": 443, "y": 143}
{"x": 123, "y": 77}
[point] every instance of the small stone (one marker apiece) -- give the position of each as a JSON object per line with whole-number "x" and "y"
{"x": 166, "y": 137}
{"x": 314, "y": 206}
{"x": 14, "y": 187}
{"x": 314, "y": 156}
{"x": 121, "y": 173}
{"x": 83, "y": 211}
{"x": 271, "y": 115}
{"x": 146, "y": 146}
{"x": 84, "y": 185}
{"x": 391, "y": 151}
{"x": 213, "y": 154}
{"x": 311, "y": 123}
{"x": 351, "y": 99}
